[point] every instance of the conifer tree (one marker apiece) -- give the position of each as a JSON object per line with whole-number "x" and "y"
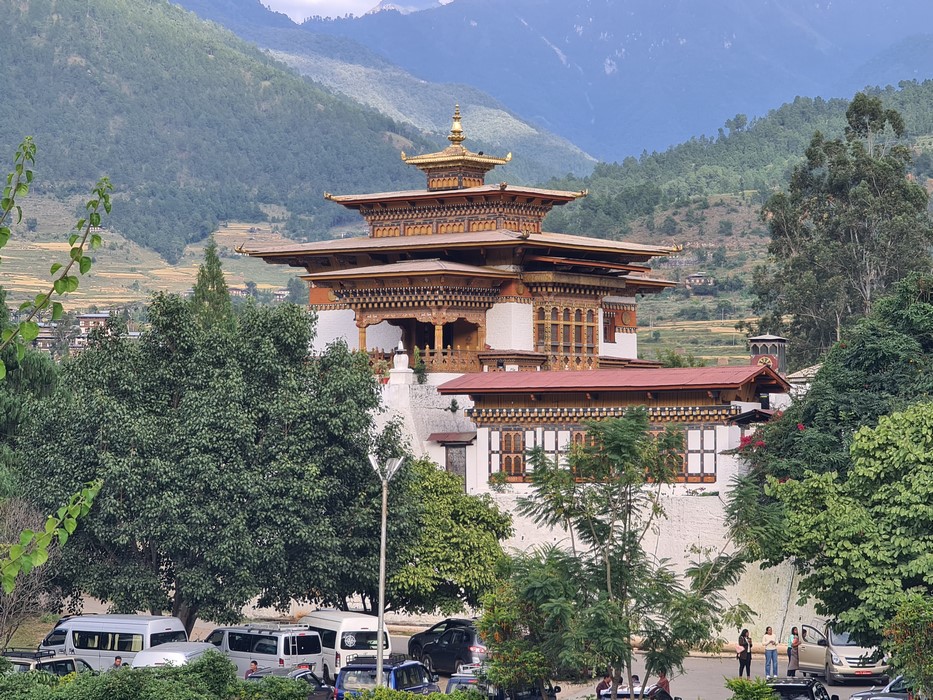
{"x": 211, "y": 297}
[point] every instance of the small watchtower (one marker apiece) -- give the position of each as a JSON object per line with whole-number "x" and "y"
{"x": 770, "y": 350}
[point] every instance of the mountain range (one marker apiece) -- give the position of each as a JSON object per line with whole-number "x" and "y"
{"x": 619, "y": 77}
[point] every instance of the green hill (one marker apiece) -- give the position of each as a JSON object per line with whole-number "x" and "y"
{"x": 745, "y": 157}
{"x": 193, "y": 125}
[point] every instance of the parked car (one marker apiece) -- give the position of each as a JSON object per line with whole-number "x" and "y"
{"x": 800, "y": 689}
{"x": 282, "y": 646}
{"x": 398, "y": 674}
{"x": 317, "y": 689}
{"x": 99, "y": 639}
{"x": 25, "y": 660}
{"x": 833, "y": 654}
{"x": 172, "y": 654}
{"x": 417, "y": 641}
{"x": 897, "y": 689}
{"x": 344, "y": 636}
{"x": 467, "y": 679}
{"x": 457, "y": 647}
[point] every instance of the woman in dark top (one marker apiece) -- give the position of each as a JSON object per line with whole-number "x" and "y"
{"x": 745, "y": 653}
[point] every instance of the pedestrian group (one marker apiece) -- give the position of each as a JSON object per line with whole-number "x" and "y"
{"x": 743, "y": 652}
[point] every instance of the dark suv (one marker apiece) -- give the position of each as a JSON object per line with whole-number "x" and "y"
{"x": 800, "y": 689}
{"x": 398, "y": 674}
{"x": 418, "y": 641}
{"x": 456, "y": 648}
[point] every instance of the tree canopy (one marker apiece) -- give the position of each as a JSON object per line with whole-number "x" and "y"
{"x": 850, "y": 225}
{"x": 863, "y": 541}
{"x": 842, "y": 431}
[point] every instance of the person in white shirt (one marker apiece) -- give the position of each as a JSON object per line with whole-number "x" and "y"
{"x": 769, "y": 641}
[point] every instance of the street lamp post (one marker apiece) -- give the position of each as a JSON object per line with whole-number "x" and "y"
{"x": 385, "y": 473}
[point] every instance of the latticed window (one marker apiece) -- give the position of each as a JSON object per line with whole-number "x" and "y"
{"x": 568, "y": 333}
{"x": 512, "y": 451}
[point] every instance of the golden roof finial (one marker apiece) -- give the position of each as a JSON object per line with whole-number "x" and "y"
{"x": 456, "y": 130}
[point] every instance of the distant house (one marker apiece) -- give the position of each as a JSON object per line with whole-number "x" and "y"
{"x": 699, "y": 279}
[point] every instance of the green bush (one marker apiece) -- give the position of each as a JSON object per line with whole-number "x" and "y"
{"x": 212, "y": 677}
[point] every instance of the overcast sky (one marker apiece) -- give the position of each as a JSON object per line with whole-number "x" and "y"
{"x": 300, "y": 10}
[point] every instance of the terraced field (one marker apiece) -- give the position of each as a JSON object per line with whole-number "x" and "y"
{"x": 123, "y": 271}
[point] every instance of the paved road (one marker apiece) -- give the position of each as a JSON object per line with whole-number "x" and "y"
{"x": 704, "y": 677}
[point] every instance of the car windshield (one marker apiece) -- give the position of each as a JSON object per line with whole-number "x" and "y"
{"x": 361, "y": 678}
{"x": 839, "y": 638}
{"x": 792, "y": 693}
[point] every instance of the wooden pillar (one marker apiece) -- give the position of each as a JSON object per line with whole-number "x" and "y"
{"x": 363, "y": 338}
{"x": 438, "y": 337}
{"x": 481, "y": 337}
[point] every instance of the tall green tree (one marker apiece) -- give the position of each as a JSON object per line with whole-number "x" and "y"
{"x": 211, "y": 297}
{"x": 850, "y": 225}
{"x": 883, "y": 363}
{"x": 217, "y": 442}
{"x": 583, "y": 608}
{"x": 863, "y": 541}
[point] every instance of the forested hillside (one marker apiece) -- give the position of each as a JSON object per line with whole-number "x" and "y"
{"x": 746, "y": 157}
{"x": 193, "y": 125}
{"x": 349, "y": 68}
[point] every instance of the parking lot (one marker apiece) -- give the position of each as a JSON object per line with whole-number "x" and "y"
{"x": 703, "y": 679}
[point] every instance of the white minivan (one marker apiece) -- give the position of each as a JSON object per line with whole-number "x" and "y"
{"x": 270, "y": 646}
{"x": 344, "y": 636}
{"x": 99, "y": 639}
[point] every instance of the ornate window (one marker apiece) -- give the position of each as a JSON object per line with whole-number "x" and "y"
{"x": 512, "y": 452}
{"x": 568, "y": 334}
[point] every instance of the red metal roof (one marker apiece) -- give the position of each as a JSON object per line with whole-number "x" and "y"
{"x": 625, "y": 379}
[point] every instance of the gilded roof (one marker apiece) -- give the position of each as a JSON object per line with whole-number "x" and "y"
{"x": 455, "y": 154}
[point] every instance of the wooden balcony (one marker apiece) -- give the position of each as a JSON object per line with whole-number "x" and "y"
{"x": 449, "y": 359}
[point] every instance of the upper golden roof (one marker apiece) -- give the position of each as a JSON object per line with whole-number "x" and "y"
{"x": 455, "y": 156}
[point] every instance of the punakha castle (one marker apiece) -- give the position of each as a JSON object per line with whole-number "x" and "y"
{"x": 525, "y": 336}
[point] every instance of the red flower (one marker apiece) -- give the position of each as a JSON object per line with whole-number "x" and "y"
{"x": 759, "y": 443}
{"x": 745, "y": 441}
{"x": 801, "y": 427}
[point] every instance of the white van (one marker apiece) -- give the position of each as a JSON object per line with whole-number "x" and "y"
{"x": 172, "y": 654}
{"x": 99, "y": 639}
{"x": 270, "y": 646}
{"x": 344, "y": 636}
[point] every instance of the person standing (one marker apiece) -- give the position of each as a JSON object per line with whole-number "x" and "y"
{"x": 117, "y": 663}
{"x": 663, "y": 683}
{"x": 744, "y": 654}
{"x": 769, "y": 642}
{"x": 604, "y": 685}
{"x": 253, "y": 667}
{"x": 793, "y": 653}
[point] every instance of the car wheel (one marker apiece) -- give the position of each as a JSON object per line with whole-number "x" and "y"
{"x": 459, "y": 665}
{"x": 327, "y": 678}
{"x": 414, "y": 651}
{"x": 428, "y": 663}
{"x": 830, "y": 678}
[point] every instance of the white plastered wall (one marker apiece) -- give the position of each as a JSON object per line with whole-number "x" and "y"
{"x": 382, "y": 336}
{"x": 626, "y": 344}
{"x": 510, "y": 326}
{"x": 335, "y": 324}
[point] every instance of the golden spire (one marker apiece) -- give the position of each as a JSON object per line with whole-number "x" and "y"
{"x": 456, "y": 130}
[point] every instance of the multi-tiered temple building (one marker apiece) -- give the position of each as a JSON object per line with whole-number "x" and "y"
{"x": 525, "y": 334}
